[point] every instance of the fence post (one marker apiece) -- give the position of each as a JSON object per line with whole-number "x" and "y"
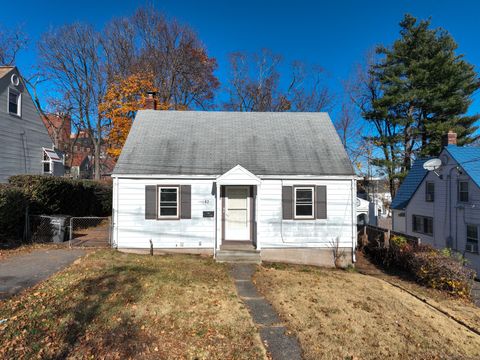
{"x": 386, "y": 239}
{"x": 71, "y": 233}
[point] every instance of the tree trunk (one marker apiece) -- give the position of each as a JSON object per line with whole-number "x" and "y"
{"x": 97, "y": 161}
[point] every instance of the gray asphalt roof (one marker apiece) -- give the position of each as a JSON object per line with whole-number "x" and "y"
{"x": 211, "y": 143}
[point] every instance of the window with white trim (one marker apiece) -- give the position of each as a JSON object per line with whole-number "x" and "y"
{"x": 46, "y": 164}
{"x": 472, "y": 239}
{"x": 168, "y": 202}
{"x": 304, "y": 202}
{"x": 14, "y": 102}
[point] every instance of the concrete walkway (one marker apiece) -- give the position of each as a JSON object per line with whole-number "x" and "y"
{"x": 272, "y": 332}
{"x": 25, "y": 270}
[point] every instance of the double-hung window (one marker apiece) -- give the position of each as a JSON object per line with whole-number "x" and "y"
{"x": 168, "y": 202}
{"x": 304, "y": 202}
{"x": 46, "y": 163}
{"x": 14, "y": 102}
{"x": 422, "y": 224}
{"x": 429, "y": 191}
{"x": 463, "y": 191}
{"x": 472, "y": 239}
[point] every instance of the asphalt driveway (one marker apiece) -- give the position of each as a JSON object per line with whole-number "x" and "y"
{"x": 25, "y": 270}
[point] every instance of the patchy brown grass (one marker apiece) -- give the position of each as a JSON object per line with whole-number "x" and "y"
{"x": 338, "y": 314}
{"x": 118, "y": 306}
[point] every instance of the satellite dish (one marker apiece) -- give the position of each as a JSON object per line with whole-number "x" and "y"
{"x": 432, "y": 165}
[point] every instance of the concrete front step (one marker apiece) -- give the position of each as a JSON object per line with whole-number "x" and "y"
{"x": 239, "y": 256}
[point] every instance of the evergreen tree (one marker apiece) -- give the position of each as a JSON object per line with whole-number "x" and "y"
{"x": 424, "y": 90}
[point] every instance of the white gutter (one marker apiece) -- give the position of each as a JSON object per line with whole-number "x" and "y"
{"x": 269, "y": 177}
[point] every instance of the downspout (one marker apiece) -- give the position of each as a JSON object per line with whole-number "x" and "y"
{"x": 450, "y": 240}
{"x": 22, "y": 134}
{"x": 216, "y": 221}
{"x": 354, "y": 230}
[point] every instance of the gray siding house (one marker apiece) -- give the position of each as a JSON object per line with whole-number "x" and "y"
{"x": 24, "y": 140}
{"x": 279, "y": 185}
{"x": 443, "y": 207}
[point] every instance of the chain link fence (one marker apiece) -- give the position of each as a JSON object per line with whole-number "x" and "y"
{"x": 90, "y": 231}
{"x": 44, "y": 229}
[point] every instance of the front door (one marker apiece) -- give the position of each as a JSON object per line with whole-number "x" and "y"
{"x": 237, "y": 213}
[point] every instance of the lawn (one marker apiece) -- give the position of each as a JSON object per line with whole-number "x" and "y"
{"x": 344, "y": 315}
{"x": 119, "y": 306}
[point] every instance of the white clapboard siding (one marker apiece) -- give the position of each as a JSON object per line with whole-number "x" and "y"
{"x": 445, "y": 225}
{"x": 132, "y": 230}
{"x": 273, "y": 231}
{"x": 21, "y": 139}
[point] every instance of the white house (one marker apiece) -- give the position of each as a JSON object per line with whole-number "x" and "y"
{"x": 442, "y": 207}
{"x": 25, "y": 146}
{"x": 276, "y": 184}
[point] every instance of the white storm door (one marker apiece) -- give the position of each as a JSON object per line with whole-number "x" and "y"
{"x": 237, "y": 213}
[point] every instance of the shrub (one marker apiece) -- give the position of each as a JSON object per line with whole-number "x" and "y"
{"x": 441, "y": 270}
{"x": 13, "y": 204}
{"x": 438, "y": 271}
{"x": 54, "y": 195}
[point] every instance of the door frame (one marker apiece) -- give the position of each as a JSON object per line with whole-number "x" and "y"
{"x": 251, "y": 212}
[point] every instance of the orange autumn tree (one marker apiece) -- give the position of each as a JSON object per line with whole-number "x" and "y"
{"x": 124, "y": 97}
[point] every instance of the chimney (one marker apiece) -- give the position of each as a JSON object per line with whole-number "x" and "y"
{"x": 450, "y": 138}
{"x": 151, "y": 101}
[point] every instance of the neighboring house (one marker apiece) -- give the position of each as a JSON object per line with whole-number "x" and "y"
{"x": 204, "y": 182}
{"x": 59, "y": 127}
{"x": 363, "y": 209}
{"x": 81, "y": 166}
{"x": 443, "y": 207}
{"x": 23, "y": 136}
{"x": 53, "y": 162}
{"x": 377, "y": 191}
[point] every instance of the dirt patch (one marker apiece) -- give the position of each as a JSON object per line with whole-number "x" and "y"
{"x": 338, "y": 314}
{"x": 118, "y": 306}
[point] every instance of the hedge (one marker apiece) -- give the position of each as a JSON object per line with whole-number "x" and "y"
{"x": 13, "y": 203}
{"x": 55, "y": 195}
{"x": 429, "y": 266}
{"x": 46, "y": 195}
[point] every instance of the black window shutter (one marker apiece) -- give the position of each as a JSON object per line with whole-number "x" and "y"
{"x": 287, "y": 202}
{"x": 186, "y": 202}
{"x": 321, "y": 202}
{"x": 150, "y": 202}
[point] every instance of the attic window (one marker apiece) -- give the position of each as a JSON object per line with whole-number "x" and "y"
{"x": 14, "y": 102}
{"x": 463, "y": 191}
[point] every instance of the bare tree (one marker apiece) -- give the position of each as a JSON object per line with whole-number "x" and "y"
{"x": 364, "y": 90}
{"x": 148, "y": 42}
{"x": 255, "y": 85}
{"x": 350, "y": 128}
{"x": 71, "y": 57}
{"x": 11, "y": 42}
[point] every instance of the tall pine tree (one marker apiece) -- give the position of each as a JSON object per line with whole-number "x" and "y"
{"x": 425, "y": 89}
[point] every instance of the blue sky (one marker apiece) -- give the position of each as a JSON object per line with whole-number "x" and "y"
{"x": 334, "y": 34}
